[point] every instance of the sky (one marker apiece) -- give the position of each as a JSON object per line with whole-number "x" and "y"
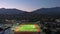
{"x": 29, "y": 5}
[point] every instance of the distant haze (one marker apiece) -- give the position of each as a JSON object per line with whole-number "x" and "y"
{"x": 29, "y": 5}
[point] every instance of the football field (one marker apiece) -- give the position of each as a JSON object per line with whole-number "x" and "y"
{"x": 27, "y": 27}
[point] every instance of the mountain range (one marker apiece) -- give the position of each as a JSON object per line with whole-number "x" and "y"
{"x": 11, "y": 11}
{"x": 15, "y": 13}
{"x": 48, "y": 11}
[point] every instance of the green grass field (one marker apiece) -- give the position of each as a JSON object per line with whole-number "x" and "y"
{"x": 27, "y": 28}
